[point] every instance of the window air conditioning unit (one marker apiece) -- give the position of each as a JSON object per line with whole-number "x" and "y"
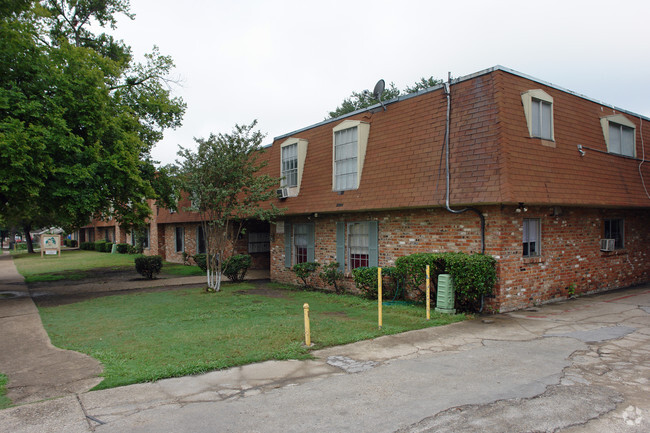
{"x": 282, "y": 192}
{"x": 607, "y": 244}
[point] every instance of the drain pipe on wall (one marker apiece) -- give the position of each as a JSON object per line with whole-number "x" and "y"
{"x": 447, "y": 90}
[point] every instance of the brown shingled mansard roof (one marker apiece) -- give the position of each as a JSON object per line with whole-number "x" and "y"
{"x": 493, "y": 159}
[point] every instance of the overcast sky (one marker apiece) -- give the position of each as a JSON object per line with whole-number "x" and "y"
{"x": 288, "y": 63}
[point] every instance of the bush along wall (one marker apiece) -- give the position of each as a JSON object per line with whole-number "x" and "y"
{"x": 148, "y": 266}
{"x": 474, "y": 276}
{"x": 392, "y": 282}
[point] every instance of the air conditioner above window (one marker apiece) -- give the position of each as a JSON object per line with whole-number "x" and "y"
{"x": 282, "y": 192}
{"x": 607, "y": 244}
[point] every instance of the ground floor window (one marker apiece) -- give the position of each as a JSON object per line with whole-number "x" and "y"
{"x": 145, "y": 237}
{"x": 200, "y": 240}
{"x": 613, "y": 228}
{"x": 359, "y": 245}
{"x": 300, "y": 242}
{"x": 531, "y": 237}
{"x": 356, "y": 244}
{"x": 179, "y": 237}
{"x": 259, "y": 242}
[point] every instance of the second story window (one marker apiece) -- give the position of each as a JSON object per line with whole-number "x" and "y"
{"x": 345, "y": 159}
{"x": 619, "y": 133}
{"x": 541, "y": 119}
{"x": 290, "y": 165}
{"x": 350, "y": 142}
{"x": 538, "y": 108}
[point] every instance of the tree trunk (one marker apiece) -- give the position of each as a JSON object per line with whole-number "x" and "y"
{"x": 28, "y": 238}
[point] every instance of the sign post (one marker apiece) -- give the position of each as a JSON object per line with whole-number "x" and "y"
{"x": 50, "y": 244}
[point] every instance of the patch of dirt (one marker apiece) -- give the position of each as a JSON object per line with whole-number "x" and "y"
{"x": 99, "y": 283}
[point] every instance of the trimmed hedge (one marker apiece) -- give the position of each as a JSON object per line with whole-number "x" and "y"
{"x": 473, "y": 275}
{"x": 123, "y": 248}
{"x": 148, "y": 266}
{"x": 235, "y": 267}
{"x": 365, "y": 278}
{"x": 87, "y": 245}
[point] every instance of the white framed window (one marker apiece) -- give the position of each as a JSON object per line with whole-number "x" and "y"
{"x": 345, "y": 159}
{"x": 290, "y": 165}
{"x": 542, "y": 119}
{"x": 538, "y": 109}
{"x": 531, "y": 237}
{"x": 259, "y": 243}
{"x": 358, "y": 244}
{"x": 350, "y": 141}
{"x": 620, "y": 134}
{"x": 614, "y": 228}
{"x": 179, "y": 239}
{"x": 293, "y": 153}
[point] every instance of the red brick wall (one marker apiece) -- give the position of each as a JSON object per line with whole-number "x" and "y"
{"x": 570, "y": 250}
{"x": 168, "y": 231}
{"x": 570, "y": 254}
{"x": 400, "y": 233}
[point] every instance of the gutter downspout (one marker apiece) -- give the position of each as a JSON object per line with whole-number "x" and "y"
{"x": 447, "y": 90}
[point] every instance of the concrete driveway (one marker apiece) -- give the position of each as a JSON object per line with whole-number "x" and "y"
{"x": 577, "y": 366}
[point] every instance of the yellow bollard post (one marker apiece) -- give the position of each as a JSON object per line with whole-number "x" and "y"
{"x": 379, "y": 297}
{"x": 307, "y": 330}
{"x": 428, "y": 295}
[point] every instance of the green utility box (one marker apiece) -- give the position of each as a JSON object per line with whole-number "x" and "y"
{"x": 114, "y": 249}
{"x": 445, "y": 295}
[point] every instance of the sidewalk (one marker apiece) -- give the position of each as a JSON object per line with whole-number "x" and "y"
{"x": 576, "y": 366}
{"x": 36, "y": 369}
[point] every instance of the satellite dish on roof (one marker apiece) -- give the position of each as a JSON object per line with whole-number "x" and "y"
{"x": 378, "y": 91}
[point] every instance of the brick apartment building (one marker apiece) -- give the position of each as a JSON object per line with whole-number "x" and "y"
{"x": 552, "y": 184}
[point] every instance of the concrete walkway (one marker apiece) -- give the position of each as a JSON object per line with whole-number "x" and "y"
{"x": 577, "y": 366}
{"x": 36, "y": 369}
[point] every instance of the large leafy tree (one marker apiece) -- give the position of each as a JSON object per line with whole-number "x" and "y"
{"x": 78, "y": 117}
{"x": 223, "y": 180}
{"x": 359, "y": 100}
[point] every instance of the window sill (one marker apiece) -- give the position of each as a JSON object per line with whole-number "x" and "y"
{"x": 536, "y": 259}
{"x": 620, "y": 252}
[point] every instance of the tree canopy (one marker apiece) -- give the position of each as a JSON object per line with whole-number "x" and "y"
{"x": 359, "y": 100}
{"x": 223, "y": 180}
{"x": 78, "y": 117}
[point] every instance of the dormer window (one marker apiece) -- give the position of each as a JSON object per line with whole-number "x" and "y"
{"x": 538, "y": 108}
{"x": 350, "y": 140}
{"x": 346, "y": 151}
{"x": 619, "y": 133}
{"x": 292, "y": 163}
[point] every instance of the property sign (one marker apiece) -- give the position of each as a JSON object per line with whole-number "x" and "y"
{"x": 50, "y": 244}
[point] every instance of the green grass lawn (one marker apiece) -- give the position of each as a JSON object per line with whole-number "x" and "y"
{"x": 4, "y": 400}
{"x": 148, "y": 336}
{"x": 180, "y": 270}
{"x": 73, "y": 264}
{"x": 78, "y": 264}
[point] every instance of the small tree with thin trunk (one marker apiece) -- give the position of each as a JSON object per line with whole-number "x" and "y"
{"x": 222, "y": 177}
